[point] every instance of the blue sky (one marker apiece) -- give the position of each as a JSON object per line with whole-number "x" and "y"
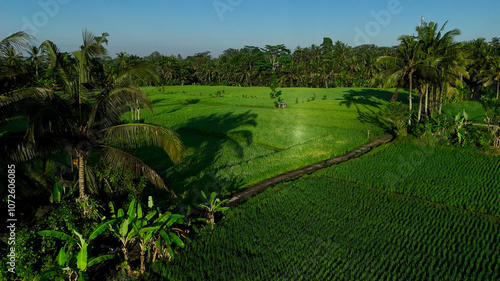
{"x": 189, "y": 26}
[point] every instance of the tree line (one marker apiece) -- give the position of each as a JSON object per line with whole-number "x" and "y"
{"x": 330, "y": 64}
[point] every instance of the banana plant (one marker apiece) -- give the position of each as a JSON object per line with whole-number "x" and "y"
{"x": 74, "y": 266}
{"x": 461, "y": 123}
{"x": 212, "y": 206}
{"x": 139, "y": 227}
{"x": 121, "y": 227}
{"x": 136, "y": 225}
{"x": 146, "y": 231}
{"x": 190, "y": 222}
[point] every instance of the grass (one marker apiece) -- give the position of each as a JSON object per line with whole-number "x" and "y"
{"x": 238, "y": 139}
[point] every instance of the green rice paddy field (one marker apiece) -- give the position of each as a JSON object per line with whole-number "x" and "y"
{"x": 238, "y": 139}
{"x": 354, "y": 222}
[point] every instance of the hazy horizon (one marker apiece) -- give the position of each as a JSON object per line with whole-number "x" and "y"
{"x": 177, "y": 27}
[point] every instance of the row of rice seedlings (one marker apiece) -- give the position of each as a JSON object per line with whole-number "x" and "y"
{"x": 316, "y": 227}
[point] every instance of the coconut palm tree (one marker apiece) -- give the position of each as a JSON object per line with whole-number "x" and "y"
{"x": 402, "y": 65}
{"x": 442, "y": 61}
{"x": 34, "y": 58}
{"x": 11, "y": 63}
{"x": 81, "y": 120}
{"x": 491, "y": 72}
{"x": 14, "y": 94}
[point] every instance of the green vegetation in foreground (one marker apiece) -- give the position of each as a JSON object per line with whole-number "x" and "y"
{"x": 239, "y": 139}
{"x": 318, "y": 228}
{"x": 449, "y": 176}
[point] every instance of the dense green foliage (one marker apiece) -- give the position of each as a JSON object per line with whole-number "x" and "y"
{"x": 317, "y": 228}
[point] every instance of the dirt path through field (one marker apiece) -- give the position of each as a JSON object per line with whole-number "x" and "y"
{"x": 237, "y": 197}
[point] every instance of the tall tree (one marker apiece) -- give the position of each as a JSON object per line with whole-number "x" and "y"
{"x": 81, "y": 119}
{"x": 442, "y": 61}
{"x": 277, "y": 55}
{"x": 402, "y": 66}
{"x": 490, "y": 72}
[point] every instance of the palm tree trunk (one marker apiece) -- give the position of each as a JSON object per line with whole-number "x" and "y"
{"x": 432, "y": 103}
{"x": 420, "y": 98}
{"x": 498, "y": 87}
{"x": 426, "y": 100}
{"x": 441, "y": 99}
{"x": 81, "y": 176}
{"x": 409, "y": 98}
{"x": 395, "y": 95}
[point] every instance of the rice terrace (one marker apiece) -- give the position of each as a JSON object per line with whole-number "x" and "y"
{"x": 127, "y": 157}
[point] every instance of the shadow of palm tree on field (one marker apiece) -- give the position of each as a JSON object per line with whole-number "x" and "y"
{"x": 204, "y": 138}
{"x": 177, "y": 106}
{"x": 376, "y": 120}
{"x": 368, "y": 99}
{"x": 156, "y": 101}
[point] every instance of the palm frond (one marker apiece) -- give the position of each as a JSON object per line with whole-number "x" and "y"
{"x": 134, "y": 135}
{"x": 18, "y": 41}
{"x": 50, "y": 117}
{"x": 117, "y": 158}
{"x": 32, "y": 92}
{"x": 134, "y": 74}
{"x": 92, "y": 48}
{"x": 16, "y": 149}
{"x": 109, "y": 107}
{"x": 56, "y": 60}
{"x": 14, "y": 103}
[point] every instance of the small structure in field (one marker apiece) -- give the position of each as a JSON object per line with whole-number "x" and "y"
{"x": 282, "y": 104}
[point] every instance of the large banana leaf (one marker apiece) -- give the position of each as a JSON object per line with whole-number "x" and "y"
{"x": 57, "y": 234}
{"x": 174, "y": 218}
{"x": 99, "y": 259}
{"x": 176, "y": 239}
{"x": 62, "y": 258}
{"x": 167, "y": 242}
{"x": 132, "y": 208}
{"x": 81, "y": 258}
{"x": 124, "y": 228}
{"x": 100, "y": 229}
